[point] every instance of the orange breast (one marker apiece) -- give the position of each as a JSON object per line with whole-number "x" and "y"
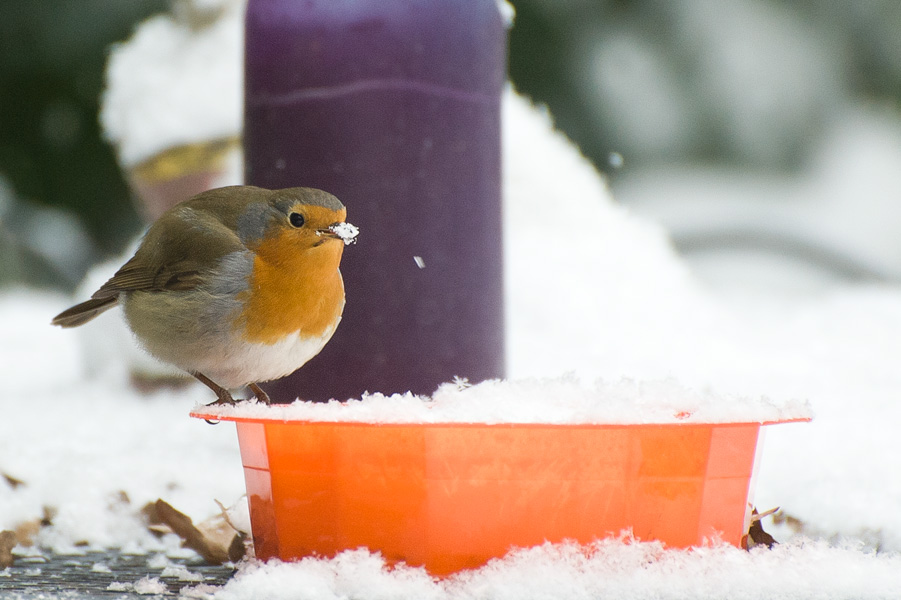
{"x": 293, "y": 291}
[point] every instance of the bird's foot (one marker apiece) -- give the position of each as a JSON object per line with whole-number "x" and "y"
{"x": 260, "y": 394}
{"x": 223, "y": 396}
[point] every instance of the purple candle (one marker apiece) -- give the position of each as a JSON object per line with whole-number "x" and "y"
{"x": 394, "y": 107}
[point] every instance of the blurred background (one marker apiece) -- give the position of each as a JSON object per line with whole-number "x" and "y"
{"x": 765, "y": 135}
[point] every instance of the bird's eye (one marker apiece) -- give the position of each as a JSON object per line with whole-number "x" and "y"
{"x": 296, "y": 219}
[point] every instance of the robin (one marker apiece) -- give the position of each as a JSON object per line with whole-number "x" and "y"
{"x": 236, "y": 286}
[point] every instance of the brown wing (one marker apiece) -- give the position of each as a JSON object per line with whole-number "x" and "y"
{"x": 131, "y": 277}
{"x": 139, "y": 275}
{"x": 172, "y": 257}
{"x": 174, "y": 254}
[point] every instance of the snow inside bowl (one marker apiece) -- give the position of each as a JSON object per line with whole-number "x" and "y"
{"x": 453, "y": 481}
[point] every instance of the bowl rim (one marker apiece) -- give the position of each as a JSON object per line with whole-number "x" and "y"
{"x": 213, "y": 416}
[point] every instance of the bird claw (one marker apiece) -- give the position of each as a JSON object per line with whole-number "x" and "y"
{"x": 223, "y": 398}
{"x": 260, "y": 394}
{"x": 227, "y": 399}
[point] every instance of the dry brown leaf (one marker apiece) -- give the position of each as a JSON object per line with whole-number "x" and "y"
{"x": 793, "y": 523}
{"x": 155, "y": 524}
{"x": 27, "y": 530}
{"x": 7, "y": 543}
{"x": 223, "y": 513}
{"x": 756, "y": 516}
{"x": 756, "y": 536}
{"x": 221, "y": 530}
{"x": 214, "y": 543}
{"x": 150, "y": 514}
{"x": 50, "y": 513}
{"x": 12, "y": 481}
{"x": 118, "y": 499}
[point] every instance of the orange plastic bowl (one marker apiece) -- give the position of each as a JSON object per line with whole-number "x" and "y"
{"x": 453, "y": 496}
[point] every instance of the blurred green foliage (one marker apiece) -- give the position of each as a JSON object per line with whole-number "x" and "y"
{"x": 52, "y": 56}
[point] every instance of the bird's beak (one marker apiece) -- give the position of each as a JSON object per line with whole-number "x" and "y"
{"x": 342, "y": 231}
{"x": 327, "y": 232}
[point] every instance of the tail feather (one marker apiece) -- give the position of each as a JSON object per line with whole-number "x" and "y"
{"x": 84, "y": 312}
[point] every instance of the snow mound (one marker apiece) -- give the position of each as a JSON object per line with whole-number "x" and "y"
{"x": 171, "y": 85}
{"x": 559, "y": 401}
{"x": 620, "y": 569}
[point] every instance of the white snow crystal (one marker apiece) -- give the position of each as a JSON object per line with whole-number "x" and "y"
{"x": 552, "y": 401}
{"x": 150, "y": 585}
{"x": 346, "y": 232}
{"x": 622, "y": 569}
{"x": 171, "y": 85}
{"x": 181, "y": 572}
{"x": 145, "y": 585}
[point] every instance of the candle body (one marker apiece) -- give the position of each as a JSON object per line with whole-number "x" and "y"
{"x": 393, "y": 106}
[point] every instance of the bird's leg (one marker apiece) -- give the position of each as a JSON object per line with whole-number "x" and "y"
{"x": 223, "y": 395}
{"x": 261, "y": 395}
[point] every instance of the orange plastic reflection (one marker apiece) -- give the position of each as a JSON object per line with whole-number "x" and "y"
{"x": 453, "y": 496}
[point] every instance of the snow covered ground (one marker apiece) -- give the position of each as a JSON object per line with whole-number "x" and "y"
{"x": 608, "y": 299}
